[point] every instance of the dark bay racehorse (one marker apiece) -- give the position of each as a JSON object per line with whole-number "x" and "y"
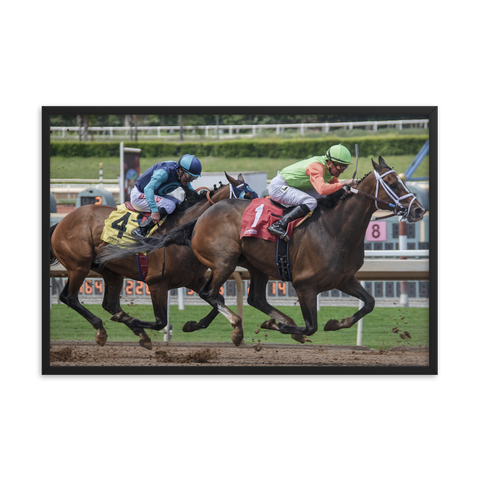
{"x": 75, "y": 242}
{"x": 326, "y": 251}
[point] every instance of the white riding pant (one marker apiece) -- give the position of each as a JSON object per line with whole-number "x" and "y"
{"x": 139, "y": 202}
{"x": 280, "y": 191}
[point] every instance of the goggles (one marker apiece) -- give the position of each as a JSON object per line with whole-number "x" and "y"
{"x": 339, "y": 166}
{"x": 189, "y": 176}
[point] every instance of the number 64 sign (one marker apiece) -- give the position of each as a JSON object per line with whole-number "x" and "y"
{"x": 376, "y": 232}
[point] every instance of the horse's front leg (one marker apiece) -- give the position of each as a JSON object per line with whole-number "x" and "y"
{"x": 258, "y": 299}
{"x": 352, "y": 287}
{"x": 307, "y": 298}
{"x": 159, "y": 296}
{"x": 111, "y": 303}
{"x": 210, "y": 293}
{"x": 193, "y": 326}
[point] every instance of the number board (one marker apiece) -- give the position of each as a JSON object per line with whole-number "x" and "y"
{"x": 376, "y": 232}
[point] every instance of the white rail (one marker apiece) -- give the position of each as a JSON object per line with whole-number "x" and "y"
{"x": 231, "y": 130}
{"x": 396, "y": 253}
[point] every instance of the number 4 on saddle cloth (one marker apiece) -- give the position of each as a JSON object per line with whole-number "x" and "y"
{"x": 118, "y": 229}
{"x": 258, "y": 216}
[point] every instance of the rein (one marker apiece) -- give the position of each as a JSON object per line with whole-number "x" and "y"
{"x": 209, "y": 199}
{"x": 398, "y": 208}
{"x": 208, "y": 194}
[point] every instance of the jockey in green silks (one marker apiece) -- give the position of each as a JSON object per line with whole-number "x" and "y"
{"x": 302, "y": 183}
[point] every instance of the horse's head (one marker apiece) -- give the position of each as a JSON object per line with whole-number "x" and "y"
{"x": 240, "y": 188}
{"x": 390, "y": 188}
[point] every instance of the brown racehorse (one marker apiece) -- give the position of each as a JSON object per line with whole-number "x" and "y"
{"x": 326, "y": 251}
{"x": 75, "y": 242}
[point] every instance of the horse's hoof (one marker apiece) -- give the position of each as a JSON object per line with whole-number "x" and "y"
{"x": 189, "y": 326}
{"x": 237, "y": 337}
{"x": 270, "y": 325}
{"x": 101, "y": 338}
{"x": 299, "y": 338}
{"x": 145, "y": 341}
{"x": 147, "y": 345}
{"x": 332, "y": 325}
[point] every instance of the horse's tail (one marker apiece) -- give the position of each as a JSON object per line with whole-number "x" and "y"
{"x": 53, "y": 258}
{"x": 178, "y": 236}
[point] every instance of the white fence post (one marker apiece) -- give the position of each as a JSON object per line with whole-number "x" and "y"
{"x": 360, "y": 322}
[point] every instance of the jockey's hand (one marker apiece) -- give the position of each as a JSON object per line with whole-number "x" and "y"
{"x": 352, "y": 182}
{"x": 155, "y": 217}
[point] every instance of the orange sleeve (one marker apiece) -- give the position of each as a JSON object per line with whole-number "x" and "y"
{"x": 315, "y": 171}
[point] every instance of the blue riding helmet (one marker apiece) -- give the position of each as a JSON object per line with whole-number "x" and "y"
{"x": 191, "y": 165}
{"x": 242, "y": 189}
{"x": 131, "y": 174}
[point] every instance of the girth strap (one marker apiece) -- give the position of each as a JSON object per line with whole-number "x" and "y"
{"x": 282, "y": 260}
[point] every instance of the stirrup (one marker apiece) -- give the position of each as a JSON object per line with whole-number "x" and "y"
{"x": 282, "y": 234}
{"x": 142, "y": 231}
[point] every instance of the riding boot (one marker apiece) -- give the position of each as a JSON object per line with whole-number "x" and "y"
{"x": 144, "y": 229}
{"x": 280, "y": 228}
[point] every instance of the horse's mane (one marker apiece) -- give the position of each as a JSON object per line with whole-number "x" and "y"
{"x": 364, "y": 177}
{"x": 332, "y": 200}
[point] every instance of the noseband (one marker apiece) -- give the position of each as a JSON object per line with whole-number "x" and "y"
{"x": 398, "y": 208}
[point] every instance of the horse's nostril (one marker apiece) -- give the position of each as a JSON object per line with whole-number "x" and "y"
{"x": 419, "y": 212}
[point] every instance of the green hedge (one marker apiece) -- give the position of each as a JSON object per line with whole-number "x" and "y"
{"x": 296, "y": 148}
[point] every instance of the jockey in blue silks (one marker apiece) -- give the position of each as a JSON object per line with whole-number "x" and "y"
{"x": 151, "y": 192}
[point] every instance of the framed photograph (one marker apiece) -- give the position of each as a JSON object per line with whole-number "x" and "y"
{"x": 239, "y": 240}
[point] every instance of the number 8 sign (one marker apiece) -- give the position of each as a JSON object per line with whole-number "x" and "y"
{"x": 376, "y": 232}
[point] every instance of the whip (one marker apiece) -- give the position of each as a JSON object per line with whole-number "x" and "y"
{"x": 356, "y": 166}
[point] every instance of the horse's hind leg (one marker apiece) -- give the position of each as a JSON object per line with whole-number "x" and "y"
{"x": 111, "y": 303}
{"x": 69, "y": 296}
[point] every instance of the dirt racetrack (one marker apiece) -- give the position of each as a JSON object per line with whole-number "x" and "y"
{"x": 205, "y": 355}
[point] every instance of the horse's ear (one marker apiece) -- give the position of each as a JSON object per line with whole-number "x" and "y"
{"x": 230, "y": 179}
{"x": 382, "y": 162}
{"x": 240, "y": 178}
{"x": 376, "y": 166}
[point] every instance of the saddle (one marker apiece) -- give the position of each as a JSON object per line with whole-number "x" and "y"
{"x": 132, "y": 209}
{"x": 285, "y": 208}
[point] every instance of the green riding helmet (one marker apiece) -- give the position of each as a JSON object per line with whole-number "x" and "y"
{"x": 340, "y": 154}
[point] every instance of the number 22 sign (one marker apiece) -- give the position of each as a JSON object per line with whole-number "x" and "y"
{"x": 376, "y": 232}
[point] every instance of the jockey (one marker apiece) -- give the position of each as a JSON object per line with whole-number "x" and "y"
{"x": 302, "y": 183}
{"x": 150, "y": 193}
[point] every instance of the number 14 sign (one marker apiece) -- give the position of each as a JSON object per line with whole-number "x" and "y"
{"x": 376, "y": 232}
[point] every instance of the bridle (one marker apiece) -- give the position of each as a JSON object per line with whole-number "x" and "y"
{"x": 398, "y": 208}
{"x": 241, "y": 190}
{"x": 235, "y": 192}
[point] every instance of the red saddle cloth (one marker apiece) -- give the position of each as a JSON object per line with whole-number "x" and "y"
{"x": 258, "y": 216}
{"x": 130, "y": 207}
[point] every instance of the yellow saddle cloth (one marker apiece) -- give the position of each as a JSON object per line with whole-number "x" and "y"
{"x": 120, "y": 224}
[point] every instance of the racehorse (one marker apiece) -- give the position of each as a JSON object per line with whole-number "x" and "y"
{"x": 75, "y": 243}
{"x": 326, "y": 251}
